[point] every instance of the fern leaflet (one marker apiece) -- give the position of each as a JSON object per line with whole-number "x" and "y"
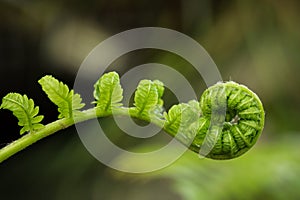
{"x": 108, "y": 92}
{"x": 23, "y": 108}
{"x": 68, "y": 103}
{"x": 146, "y": 98}
{"x": 181, "y": 116}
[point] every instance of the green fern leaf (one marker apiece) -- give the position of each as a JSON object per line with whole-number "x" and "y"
{"x": 68, "y": 103}
{"x": 195, "y": 106}
{"x": 180, "y": 117}
{"x": 146, "y": 98}
{"x": 160, "y": 90}
{"x": 108, "y": 92}
{"x": 23, "y": 108}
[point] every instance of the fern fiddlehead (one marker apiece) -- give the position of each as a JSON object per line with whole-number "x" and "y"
{"x": 237, "y": 117}
{"x": 244, "y": 120}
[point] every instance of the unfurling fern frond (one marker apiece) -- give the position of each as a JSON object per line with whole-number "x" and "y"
{"x": 68, "y": 103}
{"x": 108, "y": 92}
{"x": 23, "y": 108}
{"x": 224, "y": 124}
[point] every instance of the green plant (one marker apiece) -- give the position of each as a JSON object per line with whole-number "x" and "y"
{"x": 228, "y": 119}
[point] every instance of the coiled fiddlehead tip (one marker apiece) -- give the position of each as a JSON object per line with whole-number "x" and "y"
{"x": 232, "y": 119}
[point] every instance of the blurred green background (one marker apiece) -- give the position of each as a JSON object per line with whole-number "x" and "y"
{"x": 252, "y": 42}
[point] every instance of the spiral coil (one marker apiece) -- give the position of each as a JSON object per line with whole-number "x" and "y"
{"x": 240, "y": 127}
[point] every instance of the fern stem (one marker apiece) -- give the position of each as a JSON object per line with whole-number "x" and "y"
{"x": 31, "y": 138}
{"x": 61, "y": 124}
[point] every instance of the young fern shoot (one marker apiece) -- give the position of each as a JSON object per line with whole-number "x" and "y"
{"x": 196, "y": 124}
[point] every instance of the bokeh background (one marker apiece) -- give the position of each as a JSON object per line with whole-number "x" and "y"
{"x": 254, "y": 42}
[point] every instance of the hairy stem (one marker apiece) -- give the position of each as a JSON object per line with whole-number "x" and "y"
{"x": 60, "y": 124}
